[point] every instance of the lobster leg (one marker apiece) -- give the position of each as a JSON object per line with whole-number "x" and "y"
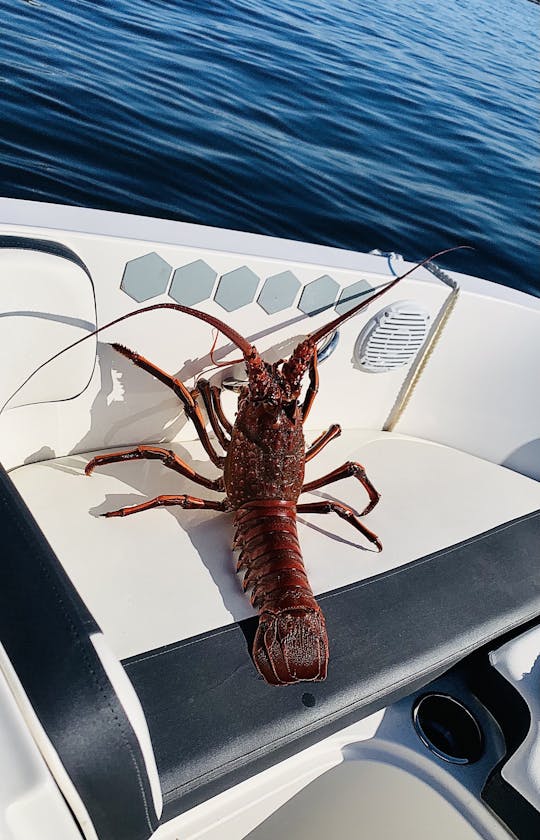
{"x": 155, "y": 453}
{"x": 218, "y": 408}
{"x": 186, "y": 502}
{"x": 346, "y": 470}
{"x": 207, "y": 393}
{"x": 344, "y": 512}
{"x": 190, "y": 403}
{"x": 319, "y": 444}
{"x": 312, "y": 389}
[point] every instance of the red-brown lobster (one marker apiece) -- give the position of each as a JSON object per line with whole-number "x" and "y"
{"x": 263, "y": 477}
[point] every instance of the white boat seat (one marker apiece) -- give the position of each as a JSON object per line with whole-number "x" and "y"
{"x": 164, "y": 575}
{"x": 47, "y": 302}
{"x": 461, "y": 543}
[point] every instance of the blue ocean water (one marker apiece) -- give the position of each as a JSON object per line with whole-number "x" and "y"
{"x": 407, "y": 126}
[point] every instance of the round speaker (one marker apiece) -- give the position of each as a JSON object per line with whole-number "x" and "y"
{"x": 393, "y": 337}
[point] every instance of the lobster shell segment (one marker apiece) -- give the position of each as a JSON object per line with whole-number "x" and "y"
{"x": 291, "y": 642}
{"x": 291, "y": 646}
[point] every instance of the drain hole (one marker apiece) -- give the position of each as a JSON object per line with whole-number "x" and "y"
{"x": 448, "y": 729}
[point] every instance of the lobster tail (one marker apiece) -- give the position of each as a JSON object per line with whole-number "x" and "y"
{"x": 291, "y": 643}
{"x": 291, "y": 646}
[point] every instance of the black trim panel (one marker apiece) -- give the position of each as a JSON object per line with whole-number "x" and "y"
{"x": 214, "y": 723}
{"x": 45, "y": 629}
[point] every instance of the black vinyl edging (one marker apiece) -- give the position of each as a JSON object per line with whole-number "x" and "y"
{"x": 44, "y": 246}
{"x": 45, "y": 629}
{"x": 214, "y": 722}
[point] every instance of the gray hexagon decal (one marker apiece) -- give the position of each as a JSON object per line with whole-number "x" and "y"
{"x": 278, "y": 292}
{"x": 145, "y": 277}
{"x": 318, "y": 295}
{"x": 192, "y": 283}
{"x": 236, "y": 288}
{"x": 352, "y": 296}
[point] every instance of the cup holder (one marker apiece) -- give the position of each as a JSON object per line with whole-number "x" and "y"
{"x": 448, "y": 729}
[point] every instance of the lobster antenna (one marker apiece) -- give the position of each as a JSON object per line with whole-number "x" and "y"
{"x": 316, "y": 336}
{"x": 247, "y": 349}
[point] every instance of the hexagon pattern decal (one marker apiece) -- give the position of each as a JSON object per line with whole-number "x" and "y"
{"x": 318, "y": 295}
{"x": 278, "y": 292}
{"x": 148, "y": 276}
{"x": 236, "y": 288}
{"x": 352, "y": 296}
{"x": 192, "y": 283}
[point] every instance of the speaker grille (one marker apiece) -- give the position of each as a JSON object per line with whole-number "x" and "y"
{"x": 392, "y": 338}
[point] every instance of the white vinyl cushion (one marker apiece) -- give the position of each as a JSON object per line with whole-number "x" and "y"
{"x": 46, "y": 303}
{"x": 166, "y": 574}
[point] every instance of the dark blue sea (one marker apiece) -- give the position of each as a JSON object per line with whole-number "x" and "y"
{"x": 397, "y": 124}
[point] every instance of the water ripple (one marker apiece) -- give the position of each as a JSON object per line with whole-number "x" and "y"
{"x": 406, "y": 126}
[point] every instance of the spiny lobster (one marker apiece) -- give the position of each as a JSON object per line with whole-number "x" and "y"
{"x": 263, "y": 477}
